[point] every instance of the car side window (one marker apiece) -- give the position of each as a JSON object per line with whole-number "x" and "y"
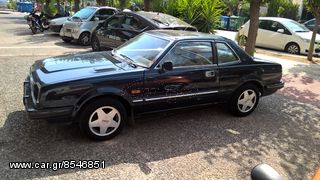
{"x": 311, "y": 23}
{"x": 190, "y": 54}
{"x": 114, "y": 22}
{"x": 132, "y": 23}
{"x": 225, "y": 54}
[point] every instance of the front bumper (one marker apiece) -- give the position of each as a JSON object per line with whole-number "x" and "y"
{"x": 272, "y": 88}
{"x": 55, "y": 28}
{"x": 71, "y": 33}
{"x": 55, "y": 115}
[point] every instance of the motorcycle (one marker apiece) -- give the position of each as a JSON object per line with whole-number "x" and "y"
{"x": 34, "y": 22}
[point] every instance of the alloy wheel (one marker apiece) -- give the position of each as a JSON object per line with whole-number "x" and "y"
{"x": 104, "y": 121}
{"x": 247, "y": 100}
{"x": 293, "y": 49}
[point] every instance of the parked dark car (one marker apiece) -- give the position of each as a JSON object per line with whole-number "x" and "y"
{"x": 311, "y": 25}
{"x": 125, "y": 25}
{"x": 156, "y": 71}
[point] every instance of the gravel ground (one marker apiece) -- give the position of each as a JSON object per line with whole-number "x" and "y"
{"x": 205, "y": 143}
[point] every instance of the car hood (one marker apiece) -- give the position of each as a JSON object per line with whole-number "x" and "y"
{"x": 77, "y": 66}
{"x": 58, "y": 21}
{"x": 307, "y": 35}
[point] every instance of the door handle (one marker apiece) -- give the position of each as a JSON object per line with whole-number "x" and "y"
{"x": 210, "y": 73}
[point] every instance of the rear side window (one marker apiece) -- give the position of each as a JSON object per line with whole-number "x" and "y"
{"x": 225, "y": 54}
{"x": 265, "y": 24}
{"x": 114, "y": 22}
{"x": 133, "y": 23}
{"x": 104, "y": 12}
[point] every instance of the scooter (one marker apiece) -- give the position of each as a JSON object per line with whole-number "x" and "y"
{"x": 34, "y": 22}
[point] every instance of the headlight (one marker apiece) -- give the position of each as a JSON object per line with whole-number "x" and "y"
{"x": 306, "y": 40}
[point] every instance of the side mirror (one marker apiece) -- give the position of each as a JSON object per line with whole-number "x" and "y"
{"x": 96, "y": 19}
{"x": 264, "y": 171}
{"x": 280, "y": 31}
{"x": 167, "y": 66}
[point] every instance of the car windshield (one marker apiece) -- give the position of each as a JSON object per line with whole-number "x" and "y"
{"x": 84, "y": 13}
{"x": 142, "y": 50}
{"x": 295, "y": 26}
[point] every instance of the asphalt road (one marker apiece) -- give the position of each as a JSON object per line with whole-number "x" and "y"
{"x": 206, "y": 143}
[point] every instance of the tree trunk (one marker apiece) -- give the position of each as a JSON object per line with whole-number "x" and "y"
{"x": 253, "y": 28}
{"x": 313, "y": 39}
{"x": 76, "y": 5}
{"x": 123, "y": 4}
{"x": 147, "y": 5}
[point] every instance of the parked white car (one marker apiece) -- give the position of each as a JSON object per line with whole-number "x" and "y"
{"x": 282, "y": 34}
{"x": 81, "y": 25}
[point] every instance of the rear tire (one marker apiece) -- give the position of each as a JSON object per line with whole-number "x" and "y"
{"x": 33, "y": 30}
{"x": 245, "y": 100}
{"x": 45, "y": 23}
{"x": 103, "y": 119}
{"x": 84, "y": 39}
{"x": 292, "y": 48}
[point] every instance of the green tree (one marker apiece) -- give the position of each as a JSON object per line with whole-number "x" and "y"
{"x": 232, "y": 6}
{"x": 314, "y": 7}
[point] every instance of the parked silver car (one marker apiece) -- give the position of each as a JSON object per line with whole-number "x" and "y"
{"x": 80, "y": 26}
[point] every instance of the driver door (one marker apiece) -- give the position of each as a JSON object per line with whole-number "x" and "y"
{"x": 193, "y": 79}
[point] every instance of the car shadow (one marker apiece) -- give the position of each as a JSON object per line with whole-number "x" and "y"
{"x": 245, "y": 141}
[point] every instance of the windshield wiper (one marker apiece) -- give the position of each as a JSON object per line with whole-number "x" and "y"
{"x": 130, "y": 61}
{"x": 302, "y": 31}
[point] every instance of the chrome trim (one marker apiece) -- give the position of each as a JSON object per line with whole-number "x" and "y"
{"x": 182, "y": 95}
{"x": 175, "y": 96}
{"x": 32, "y": 83}
{"x": 137, "y": 101}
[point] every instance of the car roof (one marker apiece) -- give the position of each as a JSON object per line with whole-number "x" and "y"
{"x": 102, "y": 7}
{"x": 180, "y": 35}
{"x": 275, "y": 19}
{"x": 161, "y": 20}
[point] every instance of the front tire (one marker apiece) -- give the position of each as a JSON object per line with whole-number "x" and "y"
{"x": 84, "y": 39}
{"x": 245, "y": 100}
{"x": 103, "y": 119}
{"x": 95, "y": 44}
{"x": 67, "y": 40}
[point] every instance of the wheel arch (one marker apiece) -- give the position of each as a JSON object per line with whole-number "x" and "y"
{"x": 85, "y": 31}
{"x": 92, "y": 96}
{"x": 257, "y": 83}
{"x": 292, "y": 42}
